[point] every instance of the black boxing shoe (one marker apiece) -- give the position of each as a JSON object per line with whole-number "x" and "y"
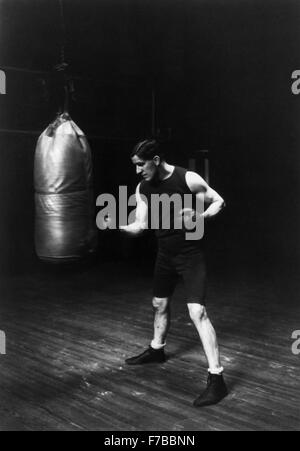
{"x": 216, "y": 391}
{"x": 149, "y": 356}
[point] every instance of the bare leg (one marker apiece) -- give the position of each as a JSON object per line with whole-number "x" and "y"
{"x": 207, "y": 335}
{"x": 216, "y": 388}
{"x": 156, "y": 353}
{"x": 162, "y": 317}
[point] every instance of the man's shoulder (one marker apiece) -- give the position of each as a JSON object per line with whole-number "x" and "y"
{"x": 181, "y": 172}
{"x": 140, "y": 193}
{"x": 181, "y": 169}
{"x": 195, "y": 182}
{"x": 143, "y": 187}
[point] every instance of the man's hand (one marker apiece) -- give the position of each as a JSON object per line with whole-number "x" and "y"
{"x": 189, "y": 217}
{"x": 133, "y": 229}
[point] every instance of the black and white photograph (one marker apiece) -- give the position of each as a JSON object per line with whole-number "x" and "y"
{"x": 150, "y": 217}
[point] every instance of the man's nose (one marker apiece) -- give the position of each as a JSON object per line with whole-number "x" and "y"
{"x": 138, "y": 170}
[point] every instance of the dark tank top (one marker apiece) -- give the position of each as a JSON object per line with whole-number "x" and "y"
{"x": 171, "y": 240}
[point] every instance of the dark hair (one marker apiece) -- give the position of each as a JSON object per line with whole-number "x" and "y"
{"x": 148, "y": 149}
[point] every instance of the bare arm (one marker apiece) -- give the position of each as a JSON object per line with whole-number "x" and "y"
{"x": 205, "y": 193}
{"x": 140, "y": 223}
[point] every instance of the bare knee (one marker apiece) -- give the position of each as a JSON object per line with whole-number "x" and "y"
{"x": 197, "y": 312}
{"x": 161, "y": 305}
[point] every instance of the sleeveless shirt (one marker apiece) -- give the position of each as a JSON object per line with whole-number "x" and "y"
{"x": 171, "y": 240}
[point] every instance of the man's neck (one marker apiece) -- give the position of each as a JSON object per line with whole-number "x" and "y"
{"x": 165, "y": 171}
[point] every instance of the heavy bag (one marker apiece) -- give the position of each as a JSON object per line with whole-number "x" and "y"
{"x": 65, "y": 227}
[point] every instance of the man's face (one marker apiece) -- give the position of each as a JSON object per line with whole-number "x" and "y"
{"x": 147, "y": 168}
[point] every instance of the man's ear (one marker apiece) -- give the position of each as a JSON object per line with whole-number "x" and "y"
{"x": 157, "y": 160}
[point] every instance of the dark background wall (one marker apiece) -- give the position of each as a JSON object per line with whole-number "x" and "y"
{"x": 222, "y": 75}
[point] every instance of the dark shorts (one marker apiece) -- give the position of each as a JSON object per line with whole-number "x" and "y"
{"x": 190, "y": 266}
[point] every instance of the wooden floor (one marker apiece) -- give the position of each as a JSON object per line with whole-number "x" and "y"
{"x": 68, "y": 335}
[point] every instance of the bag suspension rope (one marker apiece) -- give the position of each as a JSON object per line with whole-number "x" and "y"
{"x": 65, "y": 227}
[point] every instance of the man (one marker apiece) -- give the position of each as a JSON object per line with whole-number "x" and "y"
{"x": 177, "y": 256}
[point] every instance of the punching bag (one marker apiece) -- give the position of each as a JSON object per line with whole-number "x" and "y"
{"x": 65, "y": 228}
